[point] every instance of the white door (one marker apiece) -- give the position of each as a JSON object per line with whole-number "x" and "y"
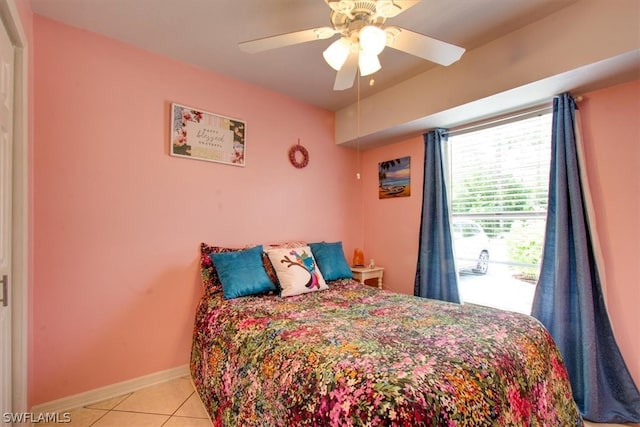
{"x": 6, "y": 160}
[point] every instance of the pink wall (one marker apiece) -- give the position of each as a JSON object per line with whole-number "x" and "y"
{"x": 611, "y": 125}
{"x": 118, "y": 222}
{"x": 611, "y": 129}
{"x": 392, "y": 225}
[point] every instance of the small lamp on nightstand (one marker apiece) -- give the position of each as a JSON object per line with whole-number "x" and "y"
{"x": 358, "y": 258}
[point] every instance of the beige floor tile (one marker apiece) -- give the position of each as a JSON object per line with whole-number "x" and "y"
{"x": 122, "y": 419}
{"x": 109, "y": 403}
{"x": 164, "y": 398}
{"x": 81, "y": 417}
{"x": 193, "y": 408}
{"x": 187, "y": 422}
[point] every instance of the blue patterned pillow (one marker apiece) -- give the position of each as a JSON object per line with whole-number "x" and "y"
{"x": 331, "y": 260}
{"x": 242, "y": 273}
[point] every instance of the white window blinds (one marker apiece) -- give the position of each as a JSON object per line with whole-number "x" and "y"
{"x": 499, "y": 179}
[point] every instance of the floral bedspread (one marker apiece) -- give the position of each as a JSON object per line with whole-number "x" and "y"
{"x": 355, "y": 355}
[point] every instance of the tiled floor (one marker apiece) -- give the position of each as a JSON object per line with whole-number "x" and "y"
{"x": 170, "y": 404}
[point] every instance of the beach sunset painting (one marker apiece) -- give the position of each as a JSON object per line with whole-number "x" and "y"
{"x": 394, "y": 178}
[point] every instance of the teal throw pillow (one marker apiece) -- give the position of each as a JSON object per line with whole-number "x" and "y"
{"x": 242, "y": 273}
{"x": 331, "y": 261}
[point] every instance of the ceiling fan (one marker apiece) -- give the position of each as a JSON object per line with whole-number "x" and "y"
{"x": 362, "y": 38}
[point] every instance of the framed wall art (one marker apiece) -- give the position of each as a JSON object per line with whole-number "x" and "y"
{"x": 394, "y": 178}
{"x": 198, "y": 134}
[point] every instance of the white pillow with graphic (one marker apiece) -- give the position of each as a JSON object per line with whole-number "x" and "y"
{"x": 297, "y": 270}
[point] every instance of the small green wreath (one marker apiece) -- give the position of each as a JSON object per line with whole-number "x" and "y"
{"x": 293, "y": 156}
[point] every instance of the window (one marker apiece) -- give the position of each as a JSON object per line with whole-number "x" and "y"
{"x": 499, "y": 181}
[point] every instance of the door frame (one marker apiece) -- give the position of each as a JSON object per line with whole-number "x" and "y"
{"x": 21, "y": 218}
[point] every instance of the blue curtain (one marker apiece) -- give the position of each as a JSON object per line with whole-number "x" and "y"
{"x": 568, "y": 298}
{"x": 436, "y": 275}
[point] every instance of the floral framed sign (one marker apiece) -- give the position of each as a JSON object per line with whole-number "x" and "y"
{"x": 201, "y": 135}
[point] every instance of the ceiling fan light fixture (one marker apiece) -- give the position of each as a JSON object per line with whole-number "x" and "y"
{"x": 368, "y": 63}
{"x": 337, "y": 52}
{"x": 372, "y": 39}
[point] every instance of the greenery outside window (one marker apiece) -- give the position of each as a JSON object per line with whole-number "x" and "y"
{"x": 499, "y": 181}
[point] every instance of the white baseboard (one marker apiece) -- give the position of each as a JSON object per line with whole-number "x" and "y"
{"x": 110, "y": 391}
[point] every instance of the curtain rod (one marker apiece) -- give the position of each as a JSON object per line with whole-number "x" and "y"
{"x": 530, "y": 112}
{"x": 503, "y": 119}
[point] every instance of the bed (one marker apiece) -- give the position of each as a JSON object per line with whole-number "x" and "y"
{"x": 352, "y": 354}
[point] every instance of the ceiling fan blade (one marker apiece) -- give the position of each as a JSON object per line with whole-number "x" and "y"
{"x": 288, "y": 39}
{"x": 406, "y": 4}
{"x": 392, "y": 8}
{"x": 347, "y": 74}
{"x": 425, "y": 47}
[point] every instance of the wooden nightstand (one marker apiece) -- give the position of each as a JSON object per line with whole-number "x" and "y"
{"x": 363, "y": 273}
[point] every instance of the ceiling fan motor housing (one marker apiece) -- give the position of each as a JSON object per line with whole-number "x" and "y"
{"x": 349, "y": 17}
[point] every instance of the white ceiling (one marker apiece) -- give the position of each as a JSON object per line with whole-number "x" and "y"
{"x": 206, "y": 33}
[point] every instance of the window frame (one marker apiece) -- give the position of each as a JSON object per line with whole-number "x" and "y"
{"x": 473, "y": 216}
